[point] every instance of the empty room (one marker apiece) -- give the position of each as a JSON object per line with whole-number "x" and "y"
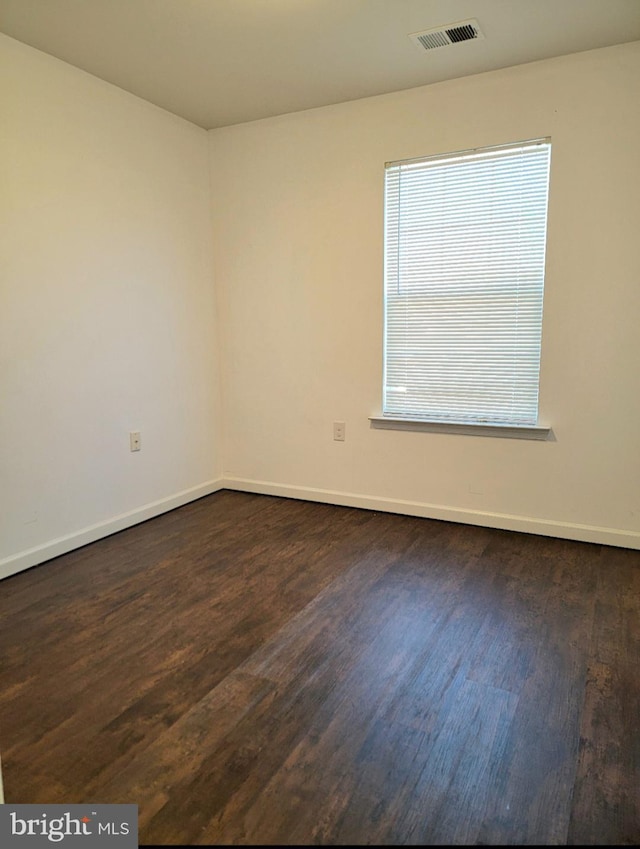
{"x": 320, "y": 422}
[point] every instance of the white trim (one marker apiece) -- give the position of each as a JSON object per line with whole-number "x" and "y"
{"x": 526, "y": 524}
{"x": 468, "y": 429}
{"x": 490, "y": 150}
{"x": 504, "y": 521}
{"x": 61, "y": 545}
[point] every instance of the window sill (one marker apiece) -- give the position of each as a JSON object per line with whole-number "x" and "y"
{"x": 508, "y": 431}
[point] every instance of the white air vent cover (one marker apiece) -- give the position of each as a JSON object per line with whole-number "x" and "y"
{"x": 429, "y": 39}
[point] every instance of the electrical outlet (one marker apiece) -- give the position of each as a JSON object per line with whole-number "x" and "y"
{"x": 134, "y": 440}
{"x": 338, "y": 431}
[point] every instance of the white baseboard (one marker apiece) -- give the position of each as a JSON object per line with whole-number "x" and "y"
{"x": 61, "y": 545}
{"x": 504, "y": 521}
{"x": 546, "y": 527}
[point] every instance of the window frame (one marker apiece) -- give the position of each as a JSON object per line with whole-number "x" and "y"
{"x": 511, "y": 429}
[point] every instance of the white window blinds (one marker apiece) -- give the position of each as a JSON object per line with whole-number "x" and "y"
{"x": 464, "y": 273}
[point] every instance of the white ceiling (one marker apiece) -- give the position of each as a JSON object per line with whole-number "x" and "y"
{"x": 221, "y": 62}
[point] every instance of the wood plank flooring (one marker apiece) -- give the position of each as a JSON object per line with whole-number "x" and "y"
{"x": 253, "y": 670}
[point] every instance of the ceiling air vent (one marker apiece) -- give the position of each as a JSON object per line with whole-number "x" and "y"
{"x": 446, "y": 35}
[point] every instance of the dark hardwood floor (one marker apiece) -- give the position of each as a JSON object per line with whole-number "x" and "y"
{"x": 255, "y": 670}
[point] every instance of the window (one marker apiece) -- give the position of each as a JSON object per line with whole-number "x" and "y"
{"x": 465, "y": 241}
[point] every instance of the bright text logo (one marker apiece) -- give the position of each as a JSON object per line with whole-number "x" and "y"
{"x": 103, "y": 826}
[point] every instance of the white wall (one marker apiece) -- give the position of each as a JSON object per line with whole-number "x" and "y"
{"x": 106, "y": 309}
{"x": 108, "y": 319}
{"x": 298, "y": 262}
